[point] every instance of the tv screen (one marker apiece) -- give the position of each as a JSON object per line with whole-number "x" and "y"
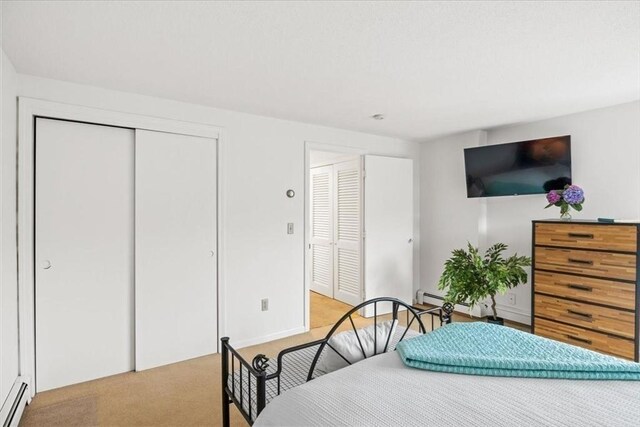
{"x": 527, "y": 167}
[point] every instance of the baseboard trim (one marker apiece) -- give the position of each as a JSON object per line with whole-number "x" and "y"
{"x": 267, "y": 338}
{"x": 14, "y": 405}
{"x": 480, "y": 310}
{"x": 509, "y": 313}
{"x": 474, "y": 312}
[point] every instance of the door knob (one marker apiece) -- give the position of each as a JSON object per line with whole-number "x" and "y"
{"x": 410, "y": 240}
{"x": 46, "y": 264}
{"x": 211, "y": 253}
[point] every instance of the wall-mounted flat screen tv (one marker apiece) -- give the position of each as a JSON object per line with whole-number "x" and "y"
{"x": 527, "y": 167}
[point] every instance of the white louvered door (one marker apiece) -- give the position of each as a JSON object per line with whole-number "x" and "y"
{"x": 322, "y": 230}
{"x": 347, "y": 284}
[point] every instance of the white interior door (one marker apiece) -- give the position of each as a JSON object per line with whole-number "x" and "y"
{"x": 176, "y": 268}
{"x": 84, "y": 252}
{"x": 388, "y": 224}
{"x": 321, "y": 217}
{"x": 347, "y": 285}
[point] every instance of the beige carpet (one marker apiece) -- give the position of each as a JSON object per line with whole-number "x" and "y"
{"x": 326, "y": 311}
{"x": 182, "y": 394}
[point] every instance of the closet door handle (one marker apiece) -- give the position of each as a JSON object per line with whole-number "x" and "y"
{"x": 45, "y": 265}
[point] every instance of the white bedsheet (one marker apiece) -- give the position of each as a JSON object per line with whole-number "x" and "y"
{"x": 381, "y": 391}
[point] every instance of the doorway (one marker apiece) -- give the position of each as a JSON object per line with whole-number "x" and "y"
{"x": 359, "y": 233}
{"x": 335, "y": 220}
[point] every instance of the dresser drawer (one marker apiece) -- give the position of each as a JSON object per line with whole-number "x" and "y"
{"x": 591, "y": 263}
{"x": 606, "y": 237}
{"x": 584, "y": 338}
{"x": 599, "y": 291}
{"x": 607, "y": 320}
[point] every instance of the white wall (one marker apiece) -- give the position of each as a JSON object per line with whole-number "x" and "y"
{"x": 8, "y": 262}
{"x": 605, "y": 152}
{"x": 448, "y": 218}
{"x": 605, "y": 145}
{"x": 261, "y": 159}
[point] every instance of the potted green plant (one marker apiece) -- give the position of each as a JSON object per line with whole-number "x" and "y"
{"x": 471, "y": 278}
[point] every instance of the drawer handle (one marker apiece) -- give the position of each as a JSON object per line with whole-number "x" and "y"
{"x": 582, "y": 340}
{"x": 577, "y": 313}
{"x": 580, "y": 287}
{"x": 581, "y": 235}
{"x": 581, "y": 261}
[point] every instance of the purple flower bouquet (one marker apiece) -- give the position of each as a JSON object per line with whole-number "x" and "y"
{"x": 570, "y": 196}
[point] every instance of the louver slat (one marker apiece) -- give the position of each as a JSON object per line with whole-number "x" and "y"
{"x": 348, "y": 183}
{"x": 348, "y": 271}
{"x": 321, "y": 209}
{"x": 321, "y": 268}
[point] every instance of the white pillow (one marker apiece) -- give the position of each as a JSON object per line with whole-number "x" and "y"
{"x": 346, "y": 343}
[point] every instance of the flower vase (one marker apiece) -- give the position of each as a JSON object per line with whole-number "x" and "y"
{"x": 571, "y": 196}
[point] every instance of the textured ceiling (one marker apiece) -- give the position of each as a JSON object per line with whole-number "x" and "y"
{"x": 432, "y": 68}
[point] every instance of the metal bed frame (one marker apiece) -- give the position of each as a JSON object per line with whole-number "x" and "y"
{"x": 239, "y": 385}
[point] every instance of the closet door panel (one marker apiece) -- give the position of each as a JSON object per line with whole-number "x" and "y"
{"x": 322, "y": 230}
{"x": 84, "y": 252}
{"x": 388, "y": 224}
{"x": 176, "y": 285}
{"x": 348, "y": 232}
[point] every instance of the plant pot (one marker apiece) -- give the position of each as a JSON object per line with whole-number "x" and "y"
{"x": 496, "y": 321}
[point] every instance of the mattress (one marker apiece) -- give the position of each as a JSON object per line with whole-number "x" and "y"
{"x": 382, "y": 391}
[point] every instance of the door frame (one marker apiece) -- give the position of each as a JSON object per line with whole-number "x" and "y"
{"x": 308, "y": 147}
{"x": 28, "y": 110}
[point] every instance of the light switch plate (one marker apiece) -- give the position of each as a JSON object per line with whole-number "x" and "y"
{"x": 290, "y": 228}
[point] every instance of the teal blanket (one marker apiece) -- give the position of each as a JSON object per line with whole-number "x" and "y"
{"x": 485, "y": 349}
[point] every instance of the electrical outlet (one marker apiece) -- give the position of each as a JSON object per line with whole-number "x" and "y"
{"x": 265, "y": 304}
{"x": 511, "y": 298}
{"x": 290, "y": 228}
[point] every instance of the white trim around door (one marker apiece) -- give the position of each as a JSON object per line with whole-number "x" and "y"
{"x": 28, "y": 110}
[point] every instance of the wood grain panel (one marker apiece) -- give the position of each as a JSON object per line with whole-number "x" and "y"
{"x": 605, "y": 237}
{"x": 601, "y": 264}
{"x": 585, "y": 338}
{"x": 607, "y": 320}
{"x": 599, "y": 291}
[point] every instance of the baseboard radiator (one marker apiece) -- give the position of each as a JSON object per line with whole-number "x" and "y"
{"x": 463, "y": 308}
{"x": 14, "y": 405}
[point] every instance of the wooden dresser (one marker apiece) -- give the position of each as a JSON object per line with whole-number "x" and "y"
{"x": 584, "y": 285}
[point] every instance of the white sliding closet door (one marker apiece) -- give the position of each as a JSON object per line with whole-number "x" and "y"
{"x": 84, "y": 252}
{"x": 388, "y": 223}
{"x": 348, "y": 232}
{"x": 322, "y": 230}
{"x": 176, "y": 287}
